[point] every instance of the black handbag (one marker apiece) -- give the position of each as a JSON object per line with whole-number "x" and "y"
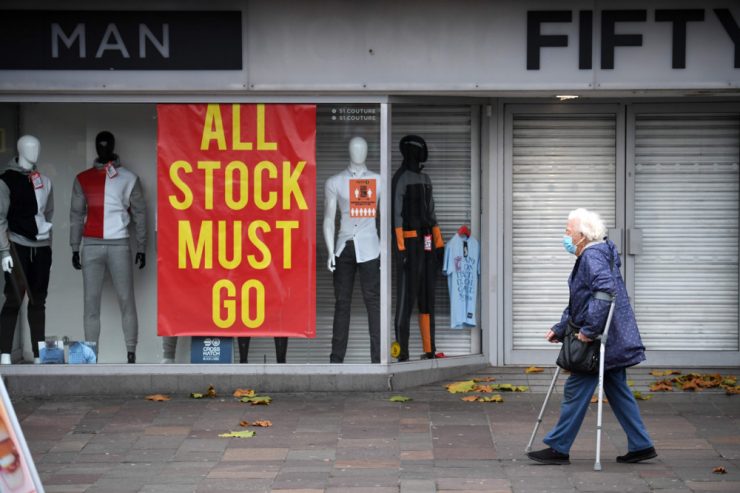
{"x": 577, "y": 356}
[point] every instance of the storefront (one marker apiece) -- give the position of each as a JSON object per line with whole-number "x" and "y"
{"x": 527, "y": 110}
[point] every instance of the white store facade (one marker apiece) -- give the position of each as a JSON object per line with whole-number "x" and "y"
{"x": 530, "y": 109}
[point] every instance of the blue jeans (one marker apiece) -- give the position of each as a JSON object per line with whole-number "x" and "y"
{"x": 579, "y": 389}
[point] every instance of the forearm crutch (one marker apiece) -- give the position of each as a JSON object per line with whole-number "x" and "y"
{"x": 542, "y": 411}
{"x": 602, "y": 350}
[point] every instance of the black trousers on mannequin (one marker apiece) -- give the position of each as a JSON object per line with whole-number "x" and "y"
{"x": 36, "y": 265}
{"x": 344, "y": 278}
{"x": 416, "y": 282}
{"x": 281, "y": 349}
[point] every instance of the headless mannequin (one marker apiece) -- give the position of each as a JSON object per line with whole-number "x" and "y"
{"x": 26, "y": 213}
{"x": 356, "y": 247}
{"x": 106, "y": 248}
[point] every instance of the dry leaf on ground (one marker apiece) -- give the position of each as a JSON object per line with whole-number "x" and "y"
{"x": 664, "y": 373}
{"x": 470, "y": 398}
{"x": 460, "y": 387}
{"x": 261, "y": 400}
{"x": 640, "y": 396}
{"x": 399, "y": 398}
{"x": 211, "y": 392}
{"x": 243, "y": 424}
{"x": 262, "y": 423}
{"x": 662, "y": 386}
{"x": 719, "y": 470}
{"x": 534, "y": 369}
{"x": 244, "y": 393}
{"x": 196, "y": 395}
{"x": 595, "y": 399}
{"x": 157, "y": 397}
{"x": 486, "y": 389}
{"x": 492, "y": 398}
{"x": 238, "y": 434}
{"x": 484, "y": 379}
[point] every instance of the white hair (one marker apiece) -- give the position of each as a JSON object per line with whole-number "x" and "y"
{"x": 588, "y": 223}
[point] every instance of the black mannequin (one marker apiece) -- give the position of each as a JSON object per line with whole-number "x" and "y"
{"x": 105, "y": 144}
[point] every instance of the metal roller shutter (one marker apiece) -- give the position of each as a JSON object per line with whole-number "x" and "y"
{"x": 447, "y": 132}
{"x": 559, "y": 162}
{"x": 686, "y": 205}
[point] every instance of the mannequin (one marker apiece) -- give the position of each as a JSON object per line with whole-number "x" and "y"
{"x": 26, "y": 209}
{"x": 356, "y": 191}
{"x": 419, "y": 244}
{"x": 105, "y": 198}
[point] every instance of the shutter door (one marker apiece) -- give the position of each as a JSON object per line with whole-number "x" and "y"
{"x": 447, "y": 132}
{"x": 332, "y": 156}
{"x": 686, "y": 204}
{"x": 559, "y": 163}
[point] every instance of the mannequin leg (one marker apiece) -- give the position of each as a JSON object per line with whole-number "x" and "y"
{"x": 344, "y": 280}
{"x": 400, "y": 295}
{"x": 281, "y": 349}
{"x": 9, "y": 316}
{"x": 243, "y": 348}
{"x": 93, "y": 259}
{"x": 412, "y": 273}
{"x": 370, "y": 284}
{"x": 37, "y": 275}
{"x": 122, "y": 275}
{"x": 169, "y": 347}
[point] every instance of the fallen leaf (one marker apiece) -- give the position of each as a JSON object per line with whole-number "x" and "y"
{"x": 595, "y": 399}
{"x": 486, "y": 389}
{"x": 262, "y": 424}
{"x": 506, "y": 387}
{"x": 732, "y": 390}
{"x": 238, "y": 434}
{"x": 492, "y": 398}
{"x": 640, "y": 396}
{"x": 196, "y": 395}
{"x": 664, "y": 373}
{"x": 262, "y": 400}
{"x": 690, "y": 385}
{"x": 243, "y": 424}
{"x": 485, "y": 379}
{"x": 460, "y": 387}
{"x": 470, "y": 398}
{"x": 534, "y": 369}
{"x": 521, "y": 388}
{"x": 244, "y": 393}
{"x": 730, "y": 380}
{"x": 399, "y": 398}
{"x": 662, "y": 386}
{"x": 719, "y": 470}
{"x": 157, "y": 398}
{"x": 211, "y": 392}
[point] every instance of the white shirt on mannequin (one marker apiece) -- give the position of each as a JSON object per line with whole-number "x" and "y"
{"x": 361, "y": 229}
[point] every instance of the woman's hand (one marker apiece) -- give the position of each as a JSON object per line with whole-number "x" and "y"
{"x": 583, "y": 338}
{"x": 551, "y": 337}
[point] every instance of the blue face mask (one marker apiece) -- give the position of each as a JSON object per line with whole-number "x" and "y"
{"x": 568, "y": 245}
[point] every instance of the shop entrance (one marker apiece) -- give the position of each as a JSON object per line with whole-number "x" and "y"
{"x": 665, "y": 180}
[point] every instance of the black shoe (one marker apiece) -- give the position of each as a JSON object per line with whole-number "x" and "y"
{"x": 131, "y": 357}
{"x": 549, "y": 456}
{"x": 638, "y": 456}
{"x": 427, "y": 356}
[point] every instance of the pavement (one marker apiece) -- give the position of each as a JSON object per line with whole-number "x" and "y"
{"x": 355, "y": 442}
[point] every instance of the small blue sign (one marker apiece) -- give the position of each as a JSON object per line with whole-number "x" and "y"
{"x": 211, "y": 350}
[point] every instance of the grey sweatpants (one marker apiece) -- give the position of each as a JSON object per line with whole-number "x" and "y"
{"x": 116, "y": 259}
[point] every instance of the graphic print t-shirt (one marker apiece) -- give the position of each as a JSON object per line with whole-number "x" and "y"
{"x": 462, "y": 268}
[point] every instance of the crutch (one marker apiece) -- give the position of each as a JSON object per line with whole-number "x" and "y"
{"x": 542, "y": 411}
{"x": 602, "y": 350}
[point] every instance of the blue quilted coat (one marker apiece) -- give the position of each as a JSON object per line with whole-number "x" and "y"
{"x": 597, "y": 269}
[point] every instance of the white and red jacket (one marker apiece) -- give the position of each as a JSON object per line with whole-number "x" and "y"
{"x": 105, "y": 199}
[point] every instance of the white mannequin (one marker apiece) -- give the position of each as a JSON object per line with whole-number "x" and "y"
{"x": 357, "y": 156}
{"x": 28, "y": 154}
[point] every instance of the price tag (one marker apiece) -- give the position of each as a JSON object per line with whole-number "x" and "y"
{"x": 36, "y": 180}
{"x": 111, "y": 170}
{"x": 427, "y": 243}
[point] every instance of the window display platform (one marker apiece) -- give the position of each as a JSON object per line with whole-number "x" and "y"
{"x": 112, "y": 379}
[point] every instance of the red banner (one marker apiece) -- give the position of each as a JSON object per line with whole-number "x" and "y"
{"x": 236, "y": 220}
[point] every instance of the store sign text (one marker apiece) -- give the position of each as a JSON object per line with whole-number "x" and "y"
{"x": 237, "y": 219}
{"x": 680, "y": 20}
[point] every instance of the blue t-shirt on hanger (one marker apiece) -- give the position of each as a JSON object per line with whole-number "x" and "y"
{"x": 462, "y": 268}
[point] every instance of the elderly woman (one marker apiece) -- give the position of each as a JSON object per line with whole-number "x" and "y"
{"x": 597, "y": 270}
